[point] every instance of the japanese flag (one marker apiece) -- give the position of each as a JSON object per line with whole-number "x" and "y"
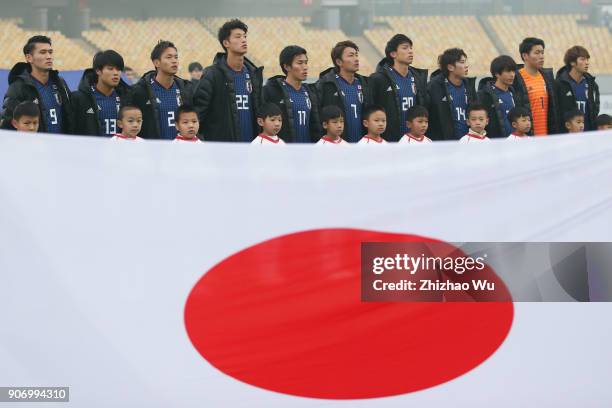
{"x": 165, "y": 275}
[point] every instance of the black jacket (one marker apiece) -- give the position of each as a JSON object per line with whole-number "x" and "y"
{"x": 85, "y": 108}
{"x": 554, "y": 126}
{"x": 22, "y": 89}
{"x": 329, "y": 92}
{"x": 488, "y": 97}
{"x": 215, "y": 101}
{"x": 440, "y": 108}
{"x": 567, "y": 99}
{"x": 384, "y": 93}
{"x": 144, "y": 98}
{"x": 275, "y": 92}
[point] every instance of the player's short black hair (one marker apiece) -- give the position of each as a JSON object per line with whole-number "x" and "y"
{"x": 195, "y": 66}
{"x": 288, "y": 54}
{"x": 159, "y": 49}
{"x": 338, "y": 50}
{"x": 450, "y": 57}
{"x": 26, "y": 109}
{"x": 518, "y": 112}
{"x": 108, "y": 58}
{"x": 184, "y": 109}
{"x": 416, "y": 111}
{"x": 572, "y": 114}
{"x": 603, "y": 120}
{"x": 394, "y": 43}
{"x": 126, "y": 108}
{"x": 527, "y": 45}
{"x": 268, "y": 110}
{"x": 370, "y": 109}
{"x": 32, "y": 41}
{"x": 476, "y": 106}
{"x": 572, "y": 55}
{"x": 331, "y": 112}
{"x": 226, "y": 30}
{"x": 501, "y": 64}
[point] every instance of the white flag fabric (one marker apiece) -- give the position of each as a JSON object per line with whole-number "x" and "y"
{"x": 101, "y": 245}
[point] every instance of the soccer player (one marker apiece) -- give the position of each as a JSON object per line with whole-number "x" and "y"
{"x": 397, "y": 85}
{"x": 159, "y": 93}
{"x": 477, "y": 120}
{"x": 576, "y": 88}
{"x": 343, "y": 87}
{"x": 296, "y": 100}
{"x": 574, "y": 121}
{"x": 536, "y": 85}
{"x": 333, "y": 123}
{"x": 498, "y": 95}
{"x": 270, "y": 119}
{"x": 36, "y": 81}
{"x": 230, "y": 92}
{"x": 130, "y": 122}
{"x": 196, "y": 70}
{"x": 450, "y": 92}
{"x": 418, "y": 122}
{"x": 26, "y": 117}
{"x": 375, "y": 121}
{"x": 187, "y": 125}
{"x": 101, "y": 93}
{"x": 604, "y": 122}
{"x": 520, "y": 119}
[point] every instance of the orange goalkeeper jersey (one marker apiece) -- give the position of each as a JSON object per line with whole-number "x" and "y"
{"x": 538, "y": 99}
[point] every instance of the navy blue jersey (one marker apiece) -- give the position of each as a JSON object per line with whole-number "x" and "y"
{"x": 506, "y": 103}
{"x": 459, "y": 104}
{"x": 243, "y": 88}
{"x": 301, "y": 107}
{"x": 581, "y": 90}
{"x": 168, "y": 100}
{"x": 406, "y": 93}
{"x": 352, "y": 94}
{"x": 50, "y": 105}
{"x": 108, "y": 109}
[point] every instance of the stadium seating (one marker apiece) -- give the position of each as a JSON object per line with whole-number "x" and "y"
{"x": 196, "y": 40}
{"x": 137, "y": 39}
{"x": 269, "y": 35}
{"x": 69, "y": 55}
{"x": 559, "y": 32}
{"x": 433, "y": 34}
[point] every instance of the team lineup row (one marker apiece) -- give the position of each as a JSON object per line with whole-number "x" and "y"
{"x": 230, "y": 96}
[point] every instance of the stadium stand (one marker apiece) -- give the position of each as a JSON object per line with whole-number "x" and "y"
{"x": 196, "y": 40}
{"x": 269, "y": 35}
{"x": 559, "y": 32}
{"x": 69, "y": 55}
{"x": 138, "y": 38}
{"x": 433, "y": 34}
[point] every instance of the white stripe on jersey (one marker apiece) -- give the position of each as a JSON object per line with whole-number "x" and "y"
{"x": 267, "y": 140}
{"x": 367, "y": 140}
{"x": 329, "y": 141}
{"x": 181, "y": 139}
{"x": 470, "y": 138}
{"x": 128, "y": 139}
{"x": 411, "y": 139}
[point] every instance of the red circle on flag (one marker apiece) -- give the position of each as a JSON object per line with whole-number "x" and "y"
{"x": 286, "y": 315}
